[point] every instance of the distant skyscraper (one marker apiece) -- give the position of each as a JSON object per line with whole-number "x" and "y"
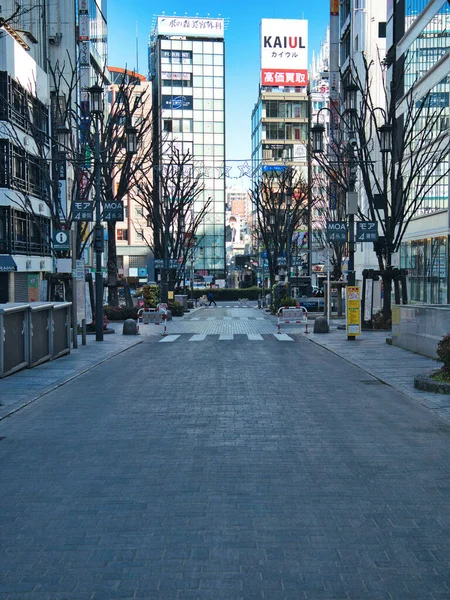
{"x": 187, "y": 69}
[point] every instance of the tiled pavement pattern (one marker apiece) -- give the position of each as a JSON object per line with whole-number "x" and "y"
{"x": 242, "y": 471}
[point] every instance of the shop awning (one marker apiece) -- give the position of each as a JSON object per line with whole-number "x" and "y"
{"x": 7, "y": 263}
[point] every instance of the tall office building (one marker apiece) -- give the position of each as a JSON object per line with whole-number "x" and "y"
{"x": 187, "y": 70}
{"x": 418, "y": 34}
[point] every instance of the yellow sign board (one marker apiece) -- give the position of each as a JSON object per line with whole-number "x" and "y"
{"x": 353, "y": 310}
{"x": 170, "y": 295}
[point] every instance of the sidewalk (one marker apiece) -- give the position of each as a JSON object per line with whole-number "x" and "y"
{"x": 393, "y": 366}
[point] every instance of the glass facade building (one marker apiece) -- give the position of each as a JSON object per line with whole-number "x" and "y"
{"x": 419, "y": 34}
{"x": 187, "y": 68}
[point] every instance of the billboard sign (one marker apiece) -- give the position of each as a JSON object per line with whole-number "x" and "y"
{"x": 191, "y": 26}
{"x": 284, "y": 52}
{"x": 177, "y": 102}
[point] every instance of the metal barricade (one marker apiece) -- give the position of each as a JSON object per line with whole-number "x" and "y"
{"x": 149, "y": 315}
{"x": 293, "y": 316}
{"x": 40, "y": 332}
{"x": 61, "y": 329}
{"x": 14, "y": 340}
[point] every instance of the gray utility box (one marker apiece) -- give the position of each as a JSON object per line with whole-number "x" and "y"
{"x": 15, "y": 337}
{"x": 40, "y": 332}
{"x": 61, "y": 329}
{"x": 182, "y": 299}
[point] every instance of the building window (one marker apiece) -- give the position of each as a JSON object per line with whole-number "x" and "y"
{"x": 139, "y": 211}
{"x": 122, "y": 235}
{"x": 140, "y": 235}
{"x": 137, "y": 261}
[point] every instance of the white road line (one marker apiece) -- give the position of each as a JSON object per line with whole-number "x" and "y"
{"x": 226, "y": 336}
{"x": 283, "y": 337}
{"x": 260, "y": 318}
{"x": 194, "y": 319}
{"x": 253, "y": 337}
{"x": 228, "y": 318}
{"x": 169, "y": 338}
{"x": 197, "y": 338}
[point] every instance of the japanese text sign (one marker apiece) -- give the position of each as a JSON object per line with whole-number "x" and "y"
{"x": 83, "y": 211}
{"x": 366, "y": 231}
{"x": 337, "y": 231}
{"x": 112, "y": 211}
{"x": 284, "y": 52}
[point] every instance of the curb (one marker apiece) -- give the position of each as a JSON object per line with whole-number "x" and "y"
{"x": 427, "y": 384}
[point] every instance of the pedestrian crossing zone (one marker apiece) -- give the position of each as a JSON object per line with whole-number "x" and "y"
{"x": 225, "y": 337}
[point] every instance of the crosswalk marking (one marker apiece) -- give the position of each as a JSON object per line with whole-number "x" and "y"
{"x": 169, "y": 338}
{"x": 283, "y": 337}
{"x": 252, "y": 337}
{"x": 260, "y": 318}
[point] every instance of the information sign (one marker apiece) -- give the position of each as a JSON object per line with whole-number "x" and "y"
{"x": 353, "y": 310}
{"x": 61, "y": 240}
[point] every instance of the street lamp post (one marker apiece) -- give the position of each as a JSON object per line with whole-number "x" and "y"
{"x": 288, "y": 201}
{"x": 165, "y": 281}
{"x": 385, "y": 132}
{"x": 96, "y": 108}
{"x": 63, "y": 135}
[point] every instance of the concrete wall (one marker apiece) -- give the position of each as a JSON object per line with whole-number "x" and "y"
{"x": 420, "y": 327}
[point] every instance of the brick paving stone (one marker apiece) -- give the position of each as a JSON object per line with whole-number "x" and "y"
{"x": 262, "y": 470}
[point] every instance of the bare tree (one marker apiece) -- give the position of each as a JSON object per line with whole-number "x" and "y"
{"x": 170, "y": 200}
{"x": 275, "y": 221}
{"x": 329, "y": 206}
{"x": 396, "y": 185}
{"x": 119, "y": 168}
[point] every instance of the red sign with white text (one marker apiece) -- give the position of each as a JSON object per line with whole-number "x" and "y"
{"x": 286, "y": 77}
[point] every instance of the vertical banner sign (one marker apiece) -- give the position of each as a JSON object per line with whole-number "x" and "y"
{"x": 62, "y": 191}
{"x": 83, "y": 39}
{"x": 353, "y": 310}
{"x": 33, "y": 287}
{"x": 284, "y": 52}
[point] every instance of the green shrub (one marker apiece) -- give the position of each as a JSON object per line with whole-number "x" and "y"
{"x": 225, "y": 294}
{"x": 151, "y": 295}
{"x": 176, "y": 308}
{"x": 443, "y": 353}
{"x": 288, "y": 301}
{"x": 120, "y": 313}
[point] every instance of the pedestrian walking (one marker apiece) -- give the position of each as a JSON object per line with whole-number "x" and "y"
{"x": 211, "y": 299}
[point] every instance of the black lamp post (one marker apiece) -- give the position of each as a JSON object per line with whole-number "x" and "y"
{"x": 288, "y": 202}
{"x": 96, "y": 109}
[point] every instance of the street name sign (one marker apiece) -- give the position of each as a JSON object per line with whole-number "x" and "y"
{"x": 366, "y": 231}
{"x": 337, "y": 231}
{"x": 112, "y": 211}
{"x": 83, "y": 211}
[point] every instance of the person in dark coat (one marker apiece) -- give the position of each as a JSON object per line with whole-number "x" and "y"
{"x": 210, "y": 297}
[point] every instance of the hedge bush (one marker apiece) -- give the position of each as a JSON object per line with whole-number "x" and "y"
{"x": 176, "y": 308}
{"x": 120, "y": 313}
{"x": 443, "y": 354}
{"x": 251, "y": 293}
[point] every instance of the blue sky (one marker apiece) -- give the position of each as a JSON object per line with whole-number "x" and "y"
{"x": 241, "y": 42}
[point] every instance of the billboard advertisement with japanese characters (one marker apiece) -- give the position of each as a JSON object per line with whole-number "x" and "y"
{"x": 284, "y": 52}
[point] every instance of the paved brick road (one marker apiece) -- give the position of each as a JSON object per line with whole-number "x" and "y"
{"x": 225, "y": 470}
